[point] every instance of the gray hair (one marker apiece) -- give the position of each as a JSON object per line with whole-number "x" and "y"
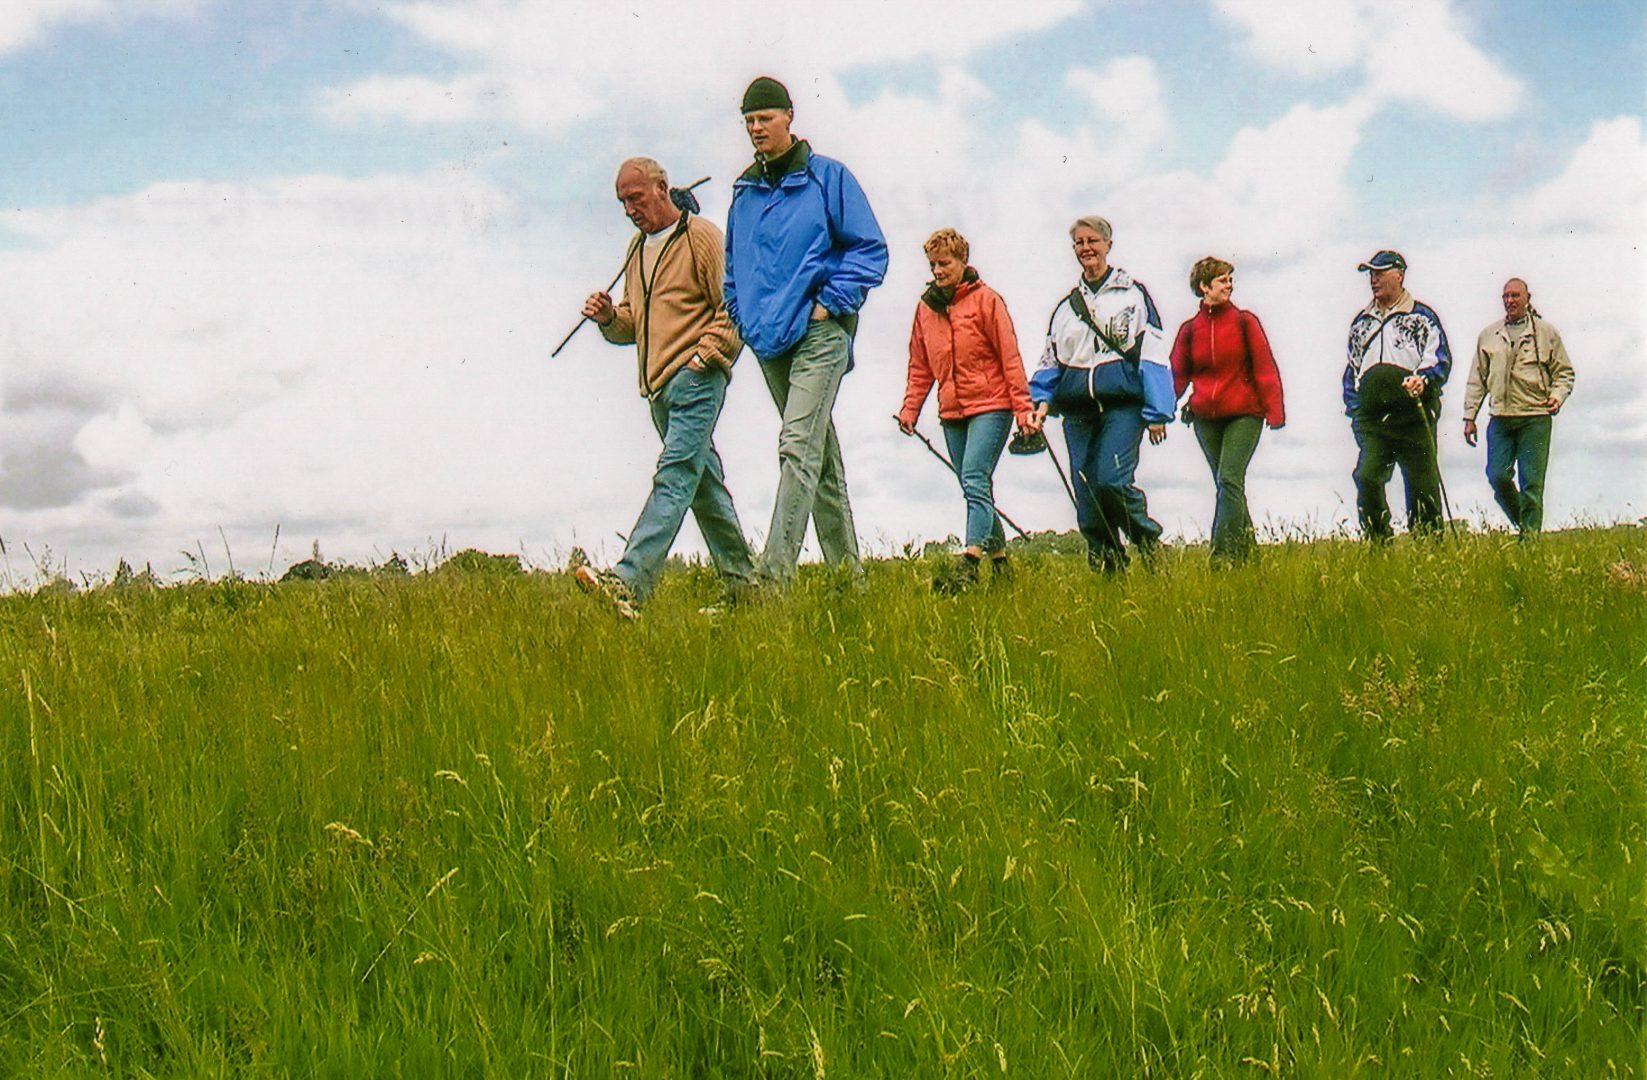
{"x": 1095, "y": 223}
{"x": 650, "y": 170}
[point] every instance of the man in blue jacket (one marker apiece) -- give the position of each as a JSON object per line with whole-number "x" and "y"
{"x": 802, "y": 252}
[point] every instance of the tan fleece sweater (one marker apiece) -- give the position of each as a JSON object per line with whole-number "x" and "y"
{"x": 677, "y": 311}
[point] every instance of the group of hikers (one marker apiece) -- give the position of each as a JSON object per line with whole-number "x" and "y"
{"x": 800, "y": 253}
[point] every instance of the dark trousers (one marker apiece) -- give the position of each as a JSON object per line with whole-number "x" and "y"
{"x": 1398, "y": 435}
{"x": 1143, "y": 530}
{"x": 1103, "y": 455}
{"x": 1519, "y": 444}
{"x": 1229, "y": 446}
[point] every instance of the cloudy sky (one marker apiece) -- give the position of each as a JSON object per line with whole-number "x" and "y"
{"x": 299, "y": 263}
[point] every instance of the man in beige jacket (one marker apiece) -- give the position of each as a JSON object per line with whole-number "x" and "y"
{"x": 674, "y": 314}
{"x": 1521, "y": 366}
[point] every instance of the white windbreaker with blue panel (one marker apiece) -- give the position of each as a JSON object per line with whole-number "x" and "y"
{"x": 1077, "y": 359}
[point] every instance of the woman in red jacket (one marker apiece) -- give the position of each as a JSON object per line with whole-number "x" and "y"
{"x": 1223, "y": 355}
{"x": 963, "y": 341}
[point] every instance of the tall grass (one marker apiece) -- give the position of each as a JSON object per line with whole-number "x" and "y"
{"x": 1348, "y": 812}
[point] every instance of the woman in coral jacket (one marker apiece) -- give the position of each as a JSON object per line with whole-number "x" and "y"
{"x": 963, "y": 340}
{"x": 1223, "y": 356}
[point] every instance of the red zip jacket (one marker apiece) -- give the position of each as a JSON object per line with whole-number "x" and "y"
{"x": 1224, "y": 355}
{"x": 968, "y": 347}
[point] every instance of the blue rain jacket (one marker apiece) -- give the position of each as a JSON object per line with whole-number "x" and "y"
{"x": 810, "y": 238}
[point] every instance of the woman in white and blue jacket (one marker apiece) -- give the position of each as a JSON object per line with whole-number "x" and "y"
{"x": 1105, "y": 370}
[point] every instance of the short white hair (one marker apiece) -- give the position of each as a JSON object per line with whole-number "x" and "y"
{"x": 1095, "y": 223}
{"x": 649, "y": 169}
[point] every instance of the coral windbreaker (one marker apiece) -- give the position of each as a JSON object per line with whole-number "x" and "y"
{"x": 968, "y": 347}
{"x": 1224, "y": 355}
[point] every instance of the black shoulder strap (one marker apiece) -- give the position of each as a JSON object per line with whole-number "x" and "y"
{"x": 1078, "y": 304}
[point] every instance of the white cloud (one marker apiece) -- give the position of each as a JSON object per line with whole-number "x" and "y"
{"x": 22, "y": 22}
{"x": 1416, "y": 51}
{"x": 1604, "y": 187}
{"x": 1308, "y": 37}
{"x": 545, "y": 64}
{"x": 1126, "y": 93}
{"x": 306, "y": 350}
{"x": 414, "y": 97}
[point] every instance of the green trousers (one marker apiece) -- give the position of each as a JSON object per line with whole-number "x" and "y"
{"x": 1229, "y": 446}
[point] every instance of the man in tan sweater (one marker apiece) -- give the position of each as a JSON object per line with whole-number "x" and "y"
{"x": 673, "y": 312}
{"x": 1522, "y": 372}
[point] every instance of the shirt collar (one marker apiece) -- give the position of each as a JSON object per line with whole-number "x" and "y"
{"x": 1403, "y": 306}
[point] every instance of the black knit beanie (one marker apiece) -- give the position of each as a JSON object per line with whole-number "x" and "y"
{"x": 765, "y": 93}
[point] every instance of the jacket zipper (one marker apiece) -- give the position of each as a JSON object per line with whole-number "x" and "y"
{"x": 646, "y": 294}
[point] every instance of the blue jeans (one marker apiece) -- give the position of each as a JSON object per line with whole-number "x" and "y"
{"x": 975, "y": 445}
{"x": 1519, "y": 444}
{"x": 811, "y": 478}
{"x": 1103, "y": 455}
{"x": 688, "y": 476}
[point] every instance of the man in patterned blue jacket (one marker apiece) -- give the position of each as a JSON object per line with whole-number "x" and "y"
{"x": 1398, "y": 362}
{"x": 803, "y": 250}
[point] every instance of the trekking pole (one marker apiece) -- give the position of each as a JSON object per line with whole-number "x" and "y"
{"x": 1111, "y": 530}
{"x": 934, "y": 451}
{"x": 1435, "y": 455}
{"x": 1068, "y": 490}
{"x": 684, "y": 201}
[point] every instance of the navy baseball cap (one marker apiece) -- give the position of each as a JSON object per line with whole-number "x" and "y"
{"x": 1385, "y": 260}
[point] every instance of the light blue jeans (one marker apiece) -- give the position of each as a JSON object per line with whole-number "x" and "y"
{"x": 975, "y": 445}
{"x": 688, "y": 476}
{"x": 811, "y": 479}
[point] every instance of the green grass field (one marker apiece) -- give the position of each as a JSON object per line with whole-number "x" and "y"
{"x": 1344, "y": 813}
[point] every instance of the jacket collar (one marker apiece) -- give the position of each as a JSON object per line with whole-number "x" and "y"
{"x": 935, "y": 299}
{"x": 793, "y": 160}
{"x": 1403, "y": 306}
{"x": 1114, "y": 278}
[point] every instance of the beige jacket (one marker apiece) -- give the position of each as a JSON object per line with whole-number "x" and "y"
{"x": 1519, "y": 382}
{"x": 678, "y": 312}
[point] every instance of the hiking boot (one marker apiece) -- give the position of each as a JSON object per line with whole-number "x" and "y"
{"x": 1000, "y": 569}
{"x": 609, "y": 587}
{"x": 958, "y": 578}
{"x": 1108, "y": 563}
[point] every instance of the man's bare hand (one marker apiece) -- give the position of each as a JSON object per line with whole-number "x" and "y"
{"x": 599, "y": 308}
{"x": 1469, "y": 432}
